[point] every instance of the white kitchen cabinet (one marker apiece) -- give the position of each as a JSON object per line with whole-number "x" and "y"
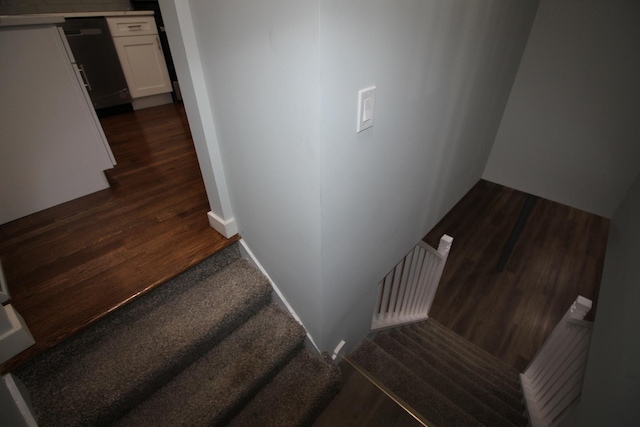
{"x": 140, "y": 55}
{"x": 52, "y": 148}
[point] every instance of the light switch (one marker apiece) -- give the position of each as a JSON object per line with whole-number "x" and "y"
{"x": 367, "y": 113}
{"x": 366, "y": 107}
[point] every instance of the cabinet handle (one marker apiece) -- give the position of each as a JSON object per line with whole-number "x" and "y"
{"x": 137, "y": 27}
{"x": 85, "y": 80}
{"x": 158, "y": 43}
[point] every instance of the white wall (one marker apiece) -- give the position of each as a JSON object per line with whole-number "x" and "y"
{"x": 611, "y": 389}
{"x": 261, "y": 67}
{"x": 326, "y": 211}
{"x": 571, "y": 128}
{"x": 443, "y": 71}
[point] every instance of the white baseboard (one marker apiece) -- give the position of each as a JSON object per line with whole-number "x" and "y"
{"x": 227, "y": 228}
{"x": 4, "y": 289}
{"x": 277, "y": 294}
{"x": 14, "y": 405}
{"x": 151, "y": 101}
{"x": 14, "y": 336}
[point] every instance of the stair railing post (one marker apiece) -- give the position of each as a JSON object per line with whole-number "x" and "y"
{"x": 542, "y": 382}
{"x": 580, "y": 308}
{"x": 445, "y": 245}
{"x": 406, "y": 293}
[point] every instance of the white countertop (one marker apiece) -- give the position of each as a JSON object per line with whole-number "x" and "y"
{"x": 56, "y": 18}
{"x": 98, "y": 14}
{"x": 20, "y": 20}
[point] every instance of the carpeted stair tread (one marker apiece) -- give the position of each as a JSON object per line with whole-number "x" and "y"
{"x": 295, "y": 397}
{"x": 466, "y": 368}
{"x": 464, "y": 381}
{"x": 421, "y": 396}
{"x": 473, "y": 362}
{"x": 211, "y": 390}
{"x": 476, "y": 406}
{"x": 98, "y": 376}
{"x": 486, "y": 359}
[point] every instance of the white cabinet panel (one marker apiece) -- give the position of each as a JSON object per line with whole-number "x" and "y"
{"x": 51, "y": 148}
{"x": 143, "y": 65}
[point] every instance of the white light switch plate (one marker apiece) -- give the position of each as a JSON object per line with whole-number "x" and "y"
{"x": 366, "y": 108}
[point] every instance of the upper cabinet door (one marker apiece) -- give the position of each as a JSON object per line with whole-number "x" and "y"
{"x": 143, "y": 65}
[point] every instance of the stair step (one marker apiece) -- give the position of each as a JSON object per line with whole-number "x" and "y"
{"x": 471, "y": 361}
{"x": 295, "y": 397}
{"x": 215, "y": 387}
{"x": 99, "y": 375}
{"x": 484, "y": 358}
{"x": 483, "y": 406}
{"x": 419, "y": 394}
{"x": 454, "y": 363}
{"x": 476, "y": 389}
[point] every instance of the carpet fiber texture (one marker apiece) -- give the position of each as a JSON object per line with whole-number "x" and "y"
{"x": 446, "y": 379}
{"x": 193, "y": 352}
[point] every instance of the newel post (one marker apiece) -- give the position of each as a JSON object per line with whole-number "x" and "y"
{"x": 580, "y": 308}
{"x": 445, "y": 244}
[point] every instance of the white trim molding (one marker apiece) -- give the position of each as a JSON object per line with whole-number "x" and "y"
{"x": 552, "y": 383}
{"x": 278, "y": 296}
{"x": 227, "y": 228}
{"x": 4, "y": 289}
{"x": 406, "y": 293}
{"x": 193, "y": 87}
{"x": 14, "y": 334}
{"x": 151, "y": 101}
{"x": 14, "y": 404}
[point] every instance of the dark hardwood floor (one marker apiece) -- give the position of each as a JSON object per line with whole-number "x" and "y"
{"x": 74, "y": 263}
{"x": 559, "y": 255}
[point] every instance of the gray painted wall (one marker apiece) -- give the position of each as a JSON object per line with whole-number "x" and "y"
{"x": 612, "y": 382}
{"x": 260, "y": 61}
{"x": 571, "y": 128}
{"x": 327, "y": 211}
{"x": 443, "y": 72}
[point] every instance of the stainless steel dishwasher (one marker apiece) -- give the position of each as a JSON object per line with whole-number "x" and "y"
{"x": 97, "y": 60}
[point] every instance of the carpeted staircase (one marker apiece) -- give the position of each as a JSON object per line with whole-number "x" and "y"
{"x": 446, "y": 379}
{"x": 206, "y": 348}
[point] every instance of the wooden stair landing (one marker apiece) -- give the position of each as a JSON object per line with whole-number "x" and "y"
{"x": 559, "y": 256}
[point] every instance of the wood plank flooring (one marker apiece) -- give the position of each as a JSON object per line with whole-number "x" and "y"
{"x": 559, "y": 256}
{"x": 74, "y": 263}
